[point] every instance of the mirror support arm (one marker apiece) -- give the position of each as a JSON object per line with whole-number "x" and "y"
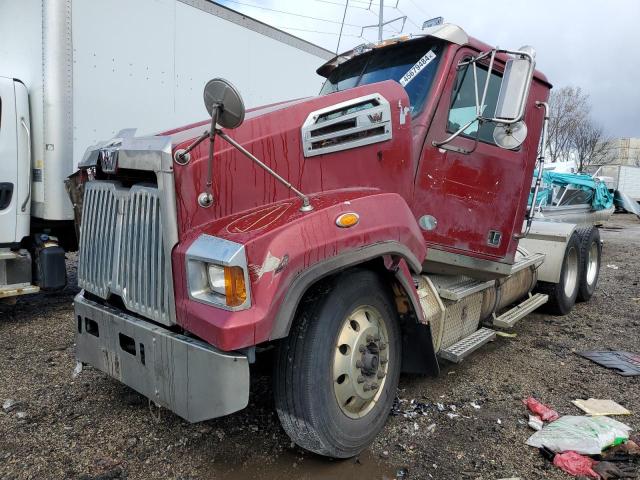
{"x": 306, "y": 204}
{"x": 541, "y": 160}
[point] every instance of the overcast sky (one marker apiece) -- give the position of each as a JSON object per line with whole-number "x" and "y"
{"x": 591, "y": 44}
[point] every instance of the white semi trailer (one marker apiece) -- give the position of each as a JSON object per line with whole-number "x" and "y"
{"x": 73, "y": 72}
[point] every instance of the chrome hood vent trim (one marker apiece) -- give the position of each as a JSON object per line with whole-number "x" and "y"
{"x": 354, "y": 123}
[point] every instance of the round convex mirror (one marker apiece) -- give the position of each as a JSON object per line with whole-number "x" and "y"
{"x": 222, "y": 93}
{"x": 510, "y": 136}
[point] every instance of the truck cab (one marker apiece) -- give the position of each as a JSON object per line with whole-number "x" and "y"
{"x": 379, "y": 227}
{"x": 15, "y": 188}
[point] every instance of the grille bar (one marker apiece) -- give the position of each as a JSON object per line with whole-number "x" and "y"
{"x": 121, "y": 248}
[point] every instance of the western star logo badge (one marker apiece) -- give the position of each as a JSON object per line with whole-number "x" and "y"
{"x": 108, "y": 158}
{"x": 375, "y": 117}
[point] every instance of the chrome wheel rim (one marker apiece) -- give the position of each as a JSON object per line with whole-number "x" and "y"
{"x": 592, "y": 263}
{"x": 571, "y": 272}
{"x": 361, "y": 361}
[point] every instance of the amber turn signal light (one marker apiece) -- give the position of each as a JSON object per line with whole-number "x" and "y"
{"x": 234, "y": 287}
{"x": 347, "y": 220}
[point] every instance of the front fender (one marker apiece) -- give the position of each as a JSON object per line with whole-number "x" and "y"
{"x": 288, "y": 251}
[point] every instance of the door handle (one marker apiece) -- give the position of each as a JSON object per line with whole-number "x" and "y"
{"x": 28, "y": 132}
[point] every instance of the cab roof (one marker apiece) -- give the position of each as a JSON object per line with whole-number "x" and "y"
{"x": 448, "y": 32}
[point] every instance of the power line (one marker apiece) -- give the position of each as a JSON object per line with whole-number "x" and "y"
{"x": 284, "y": 27}
{"x": 420, "y": 8}
{"x": 343, "y": 5}
{"x": 290, "y": 13}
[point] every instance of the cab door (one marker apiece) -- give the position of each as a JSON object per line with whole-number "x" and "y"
{"x": 471, "y": 203}
{"x": 8, "y": 162}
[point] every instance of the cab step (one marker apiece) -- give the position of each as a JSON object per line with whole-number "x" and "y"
{"x": 457, "y": 287}
{"x": 456, "y": 352}
{"x": 509, "y": 318}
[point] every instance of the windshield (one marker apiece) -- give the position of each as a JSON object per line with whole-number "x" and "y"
{"x": 411, "y": 64}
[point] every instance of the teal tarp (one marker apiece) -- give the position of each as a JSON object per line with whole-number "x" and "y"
{"x": 602, "y": 198}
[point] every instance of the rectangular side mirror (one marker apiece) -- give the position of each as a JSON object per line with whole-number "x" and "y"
{"x": 514, "y": 89}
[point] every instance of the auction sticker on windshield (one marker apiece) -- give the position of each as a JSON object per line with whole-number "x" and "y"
{"x": 417, "y": 68}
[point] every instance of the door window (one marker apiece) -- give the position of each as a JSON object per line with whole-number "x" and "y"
{"x": 463, "y": 102}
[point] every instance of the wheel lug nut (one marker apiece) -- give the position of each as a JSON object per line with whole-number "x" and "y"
{"x": 366, "y": 387}
{"x": 380, "y": 375}
{"x": 358, "y": 364}
{"x": 362, "y": 349}
{"x": 369, "y": 338}
{"x": 374, "y": 386}
{"x": 382, "y": 346}
{"x": 376, "y": 338}
{"x": 360, "y": 379}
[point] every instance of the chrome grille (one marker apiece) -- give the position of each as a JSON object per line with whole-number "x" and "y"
{"x": 122, "y": 249}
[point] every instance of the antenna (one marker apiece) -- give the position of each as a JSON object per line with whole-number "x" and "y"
{"x": 381, "y": 23}
{"x": 344, "y": 15}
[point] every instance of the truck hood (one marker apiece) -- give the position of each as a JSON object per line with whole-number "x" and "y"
{"x": 273, "y": 133}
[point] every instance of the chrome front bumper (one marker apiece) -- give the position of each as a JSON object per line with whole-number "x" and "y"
{"x": 187, "y": 376}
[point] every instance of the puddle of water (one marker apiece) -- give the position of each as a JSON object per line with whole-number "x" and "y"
{"x": 289, "y": 466}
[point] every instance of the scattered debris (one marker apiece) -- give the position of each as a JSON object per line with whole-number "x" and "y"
{"x": 475, "y": 405}
{"x": 575, "y": 464}
{"x": 452, "y": 415}
{"x": 9, "y": 405}
{"x": 506, "y": 334}
{"x": 402, "y": 473}
{"x": 21, "y": 415}
{"x": 608, "y": 470}
{"x": 535, "y": 422}
{"x": 586, "y": 435}
{"x": 626, "y": 364}
{"x": 547, "y": 414}
{"x": 596, "y": 407}
{"x": 613, "y": 267}
{"x": 628, "y": 451}
{"x": 77, "y": 370}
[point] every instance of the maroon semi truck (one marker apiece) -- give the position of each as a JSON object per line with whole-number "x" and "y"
{"x": 378, "y": 228}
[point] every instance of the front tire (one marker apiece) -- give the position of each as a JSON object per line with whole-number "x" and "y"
{"x": 562, "y": 295}
{"x": 590, "y": 255}
{"x": 337, "y": 372}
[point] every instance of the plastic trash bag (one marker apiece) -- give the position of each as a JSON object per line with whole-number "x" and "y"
{"x": 547, "y": 414}
{"x": 586, "y": 435}
{"x": 575, "y": 464}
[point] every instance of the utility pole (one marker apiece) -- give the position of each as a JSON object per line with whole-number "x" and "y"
{"x": 381, "y": 23}
{"x": 380, "y": 20}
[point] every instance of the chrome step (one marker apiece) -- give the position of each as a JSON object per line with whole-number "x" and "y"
{"x": 531, "y": 259}
{"x": 457, "y": 287}
{"x": 509, "y": 318}
{"x": 456, "y": 352}
{"x": 7, "y": 291}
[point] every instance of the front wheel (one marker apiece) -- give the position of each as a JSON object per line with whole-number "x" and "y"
{"x": 337, "y": 372}
{"x": 562, "y": 295}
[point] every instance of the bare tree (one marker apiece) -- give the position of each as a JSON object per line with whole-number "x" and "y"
{"x": 590, "y": 147}
{"x": 568, "y": 109}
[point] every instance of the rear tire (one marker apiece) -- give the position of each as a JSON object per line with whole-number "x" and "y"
{"x": 590, "y": 259}
{"x": 336, "y": 374}
{"x": 562, "y": 295}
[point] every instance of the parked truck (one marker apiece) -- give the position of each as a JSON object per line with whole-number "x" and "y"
{"x": 73, "y": 72}
{"x": 380, "y": 227}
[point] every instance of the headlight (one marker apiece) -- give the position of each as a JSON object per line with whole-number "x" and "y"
{"x": 216, "y": 279}
{"x": 217, "y": 273}
{"x": 229, "y": 282}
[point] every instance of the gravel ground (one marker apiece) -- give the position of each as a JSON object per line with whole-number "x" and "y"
{"x": 91, "y": 427}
